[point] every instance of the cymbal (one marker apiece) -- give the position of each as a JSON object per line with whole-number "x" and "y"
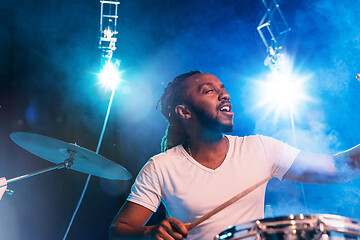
{"x": 57, "y": 151}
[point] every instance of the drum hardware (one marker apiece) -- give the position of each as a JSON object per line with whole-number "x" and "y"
{"x": 293, "y": 227}
{"x": 3, "y": 188}
{"x": 64, "y": 155}
{"x": 334, "y": 224}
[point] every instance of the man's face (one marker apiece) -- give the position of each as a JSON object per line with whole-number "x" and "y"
{"x": 209, "y": 102}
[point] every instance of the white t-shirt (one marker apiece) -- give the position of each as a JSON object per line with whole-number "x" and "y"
{"x": 190, "y": 190}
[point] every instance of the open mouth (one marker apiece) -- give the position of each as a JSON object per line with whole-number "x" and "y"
{"x": 225, "y": 109}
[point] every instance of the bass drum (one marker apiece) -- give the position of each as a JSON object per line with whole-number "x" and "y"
{"x": 312, "y": 227}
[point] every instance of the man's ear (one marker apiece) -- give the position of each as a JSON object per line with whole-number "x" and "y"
{"x": 183, "y": 111}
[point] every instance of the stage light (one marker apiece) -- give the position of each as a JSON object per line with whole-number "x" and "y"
{"x": 282, "y": 91}
{"x": 110, "y": 76}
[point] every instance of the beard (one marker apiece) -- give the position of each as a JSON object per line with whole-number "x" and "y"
{"x": 211, "y": 122}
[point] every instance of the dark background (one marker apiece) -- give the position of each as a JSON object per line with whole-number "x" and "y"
{"x": 49, "y": 60}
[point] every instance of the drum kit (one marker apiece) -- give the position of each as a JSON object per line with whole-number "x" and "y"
{"x": 72, "y": 156}
{"x": 63, "y": 155}
{"x": 314, "y": 227}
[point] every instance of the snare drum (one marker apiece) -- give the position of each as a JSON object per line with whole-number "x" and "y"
{"x": 314, "y": 227}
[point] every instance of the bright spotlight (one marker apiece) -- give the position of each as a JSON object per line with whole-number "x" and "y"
{"x": 110, "y": 76}
{"x": 282, "y": 91}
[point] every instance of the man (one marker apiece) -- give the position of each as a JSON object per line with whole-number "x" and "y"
{"x": 201, "y": 167}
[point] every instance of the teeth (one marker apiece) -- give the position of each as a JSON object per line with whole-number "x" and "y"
{"x": 225, "y": 108}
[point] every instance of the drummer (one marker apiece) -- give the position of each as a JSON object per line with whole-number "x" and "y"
{"x": 201, "y": 167}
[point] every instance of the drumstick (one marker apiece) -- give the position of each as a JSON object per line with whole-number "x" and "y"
{"x": 228, "y": 203}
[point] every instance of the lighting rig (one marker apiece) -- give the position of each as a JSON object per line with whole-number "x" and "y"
{"x": 271, "y": 29}
{"x": 109, "y": 75}
{"x": 282, "y": 87}
{"x": 108, "y": 33}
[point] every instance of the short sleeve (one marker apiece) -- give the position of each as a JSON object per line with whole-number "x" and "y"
{"x": 282, "y": 155}
{"x": 146, "y": 189}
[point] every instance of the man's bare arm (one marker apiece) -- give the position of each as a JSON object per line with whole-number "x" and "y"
{"x": 321, "y": 168}
{"x": 130, "y": 221}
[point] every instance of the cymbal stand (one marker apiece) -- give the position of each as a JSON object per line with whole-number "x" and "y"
{"x": 3, "y": 182}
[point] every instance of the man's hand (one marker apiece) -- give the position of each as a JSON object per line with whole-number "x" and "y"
{"x": 130, "y": 221}
{"x": 169, "y": 229}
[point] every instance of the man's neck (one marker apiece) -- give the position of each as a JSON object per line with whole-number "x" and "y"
{"x": 209, "y": 151}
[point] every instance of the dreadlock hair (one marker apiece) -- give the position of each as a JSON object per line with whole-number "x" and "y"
{"x": 171, "y": 97}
